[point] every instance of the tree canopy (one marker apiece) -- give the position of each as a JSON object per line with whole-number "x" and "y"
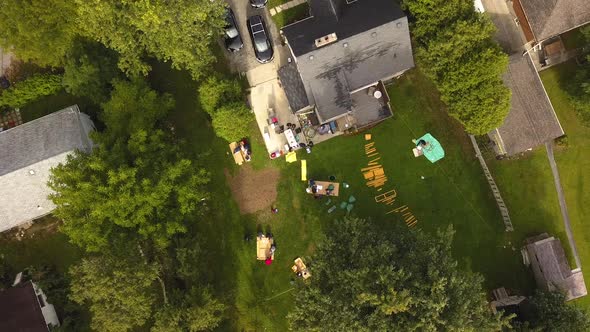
{"x": 578, "y": 84}
{"x": 119, "y": 291}
{"x": 177, "y": 31}
{"x": 40, "y": 31}
{"x": 550, "y": 312}
{"x": 456, "y": 50}
{"x": 366, "y": 279}
{"x": 222, "y": 99}
{"x": 135, "y": 183}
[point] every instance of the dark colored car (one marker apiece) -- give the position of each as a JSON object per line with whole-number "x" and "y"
{"x": 258, "y": 3}
{"x": 233, "y": 40}
{"x": 260, "y": 39}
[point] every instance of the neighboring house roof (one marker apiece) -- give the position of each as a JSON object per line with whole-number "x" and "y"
{"x": 293, "y": 86}
{"x": 548, "y": 18}
{"x": 551, "y": 268}
{"x": 29, "y": 151}
{"x": 531, "y": 120}
{"x": 373, "y": 43}
{"x": 20, "y": 310}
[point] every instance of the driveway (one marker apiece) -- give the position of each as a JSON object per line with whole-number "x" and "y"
{"x": 508, "y": 34}
{"x": 244, "y": 61}
{"x": 266, "y": 94}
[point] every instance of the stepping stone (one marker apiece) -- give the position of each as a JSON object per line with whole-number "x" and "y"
{"x": 273, "y": 12}
{"x": 343, "y": 205}
{"x": 330, "y": 210}
{"x": 287, "y": 5}
{"x": 279, "y": 9}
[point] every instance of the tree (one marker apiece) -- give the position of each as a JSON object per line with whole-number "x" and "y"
{"x": 368, "y": 279}
{"x": 232, "y": 121}
{"x": 550, "y": 312}
{"x": 118, "y": 290}
{"x": 32, "y": 88}
{"x": 577, "y": 85}
{"x": 177, "y": 31}
{"x": 89, "y": 69}
{"x": 136, "y": 184}
{"x": 40, "y": 31}
{"x": 215, "y": 91}
{"x": 456, "y": 51}
{"x": 197, "y": 311}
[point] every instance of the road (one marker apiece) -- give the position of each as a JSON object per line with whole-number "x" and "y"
{"x": 562, "y": 205}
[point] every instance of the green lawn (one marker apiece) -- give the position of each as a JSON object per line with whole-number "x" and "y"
{"x": 573, "y": 163}
{"x": 291, "y": 15}
{"x": 454, "y": 192}
{"x": 274, "y": 3}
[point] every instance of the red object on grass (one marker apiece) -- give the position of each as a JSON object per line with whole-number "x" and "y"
{"x": 268, "y": 261}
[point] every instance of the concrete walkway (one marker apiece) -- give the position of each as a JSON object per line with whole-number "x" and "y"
{"x": 280, "y": 8}
{"x": 562, "y": 205}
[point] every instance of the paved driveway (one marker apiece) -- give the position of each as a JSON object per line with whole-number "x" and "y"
{"x": 244, "y": 61}
{"x": 508, "y": 34}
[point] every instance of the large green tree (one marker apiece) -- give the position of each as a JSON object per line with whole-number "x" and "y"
{"x": 550, "y": 312}
{"x": 119, "y": 291}
{"x": 369, "y": 279}
{"x": 456, "y": 50}
{"x": 178, "y": 31}
{"x": 577, "y": 85}
{"x": 89, "y": 70}
{"x": 136, "y": 183}
{"x": 40, "y": 31}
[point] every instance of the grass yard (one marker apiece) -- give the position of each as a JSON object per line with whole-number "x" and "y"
{"x": 274, "y": 3}
{"x": 291, "y": 15}
{"x": 453, "y": 192}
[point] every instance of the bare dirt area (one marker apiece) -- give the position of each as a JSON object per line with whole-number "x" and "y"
{"x": 253, "y": 190}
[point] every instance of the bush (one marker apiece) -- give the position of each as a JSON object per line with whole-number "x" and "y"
{"x": 34, "y": 87}
{"x": 232, "y": 121}
{"x": 216, "y": 91}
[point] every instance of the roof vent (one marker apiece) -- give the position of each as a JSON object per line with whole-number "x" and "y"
{"x": 325, "y": 40}
{"x": 398, "y": 24}
{"x": 374, "y": 34}
{"x": 31, "y": 172}
{"x": 345, "y": 45}
{"x": 311, "y": 57}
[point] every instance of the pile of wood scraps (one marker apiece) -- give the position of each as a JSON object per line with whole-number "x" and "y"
{"x": 376, "y": 178}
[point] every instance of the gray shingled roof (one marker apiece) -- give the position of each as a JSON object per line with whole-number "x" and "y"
{"x": 42, "y": 138}
{"x": 373, "y": 44}
{"x": 551, "y": 267}
{"x": 293, "y": 86}
{"x": 29, "y": 151}
{"x": 548, "y": 18}
{"x": 532, "y": 120}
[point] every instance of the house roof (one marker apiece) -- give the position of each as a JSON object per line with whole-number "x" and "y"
{"x": 293, "y": 86}
{"x": 42, "y": 138}
{"x": 554, "y": 267}
{"x": 29, "y": 151}
{"x": 548, "y": 18}
{"x": 373, "y": 43}
{"x": 531, "y": 120}
{"x": 20, "y": 310}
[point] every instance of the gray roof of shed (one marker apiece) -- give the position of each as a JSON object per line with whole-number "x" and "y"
{"x": 293, "y": 86}
{"x": 548, "y": 18}
{"x": 554, "y": 266}
{"x": 373, "y": 44}
{"x": 43, "y": 138}
{"x": 531, "y": 120}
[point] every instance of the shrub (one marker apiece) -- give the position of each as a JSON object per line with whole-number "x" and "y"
{"x": 34, "y": 87}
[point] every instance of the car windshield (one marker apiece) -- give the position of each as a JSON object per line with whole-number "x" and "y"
{"x": 261, "y": 44}
{"x": 231, "y": 32}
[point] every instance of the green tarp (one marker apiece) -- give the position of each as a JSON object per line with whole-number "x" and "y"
{"x": 433, "y": 151}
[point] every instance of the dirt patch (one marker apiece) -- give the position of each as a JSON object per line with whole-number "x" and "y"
{"x": 253, "y": 190}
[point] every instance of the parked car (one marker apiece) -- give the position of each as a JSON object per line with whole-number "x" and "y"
{"x": 260, "y": 39}
{"x": 233, "y": 40}
{"x": 258, "y": 3}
